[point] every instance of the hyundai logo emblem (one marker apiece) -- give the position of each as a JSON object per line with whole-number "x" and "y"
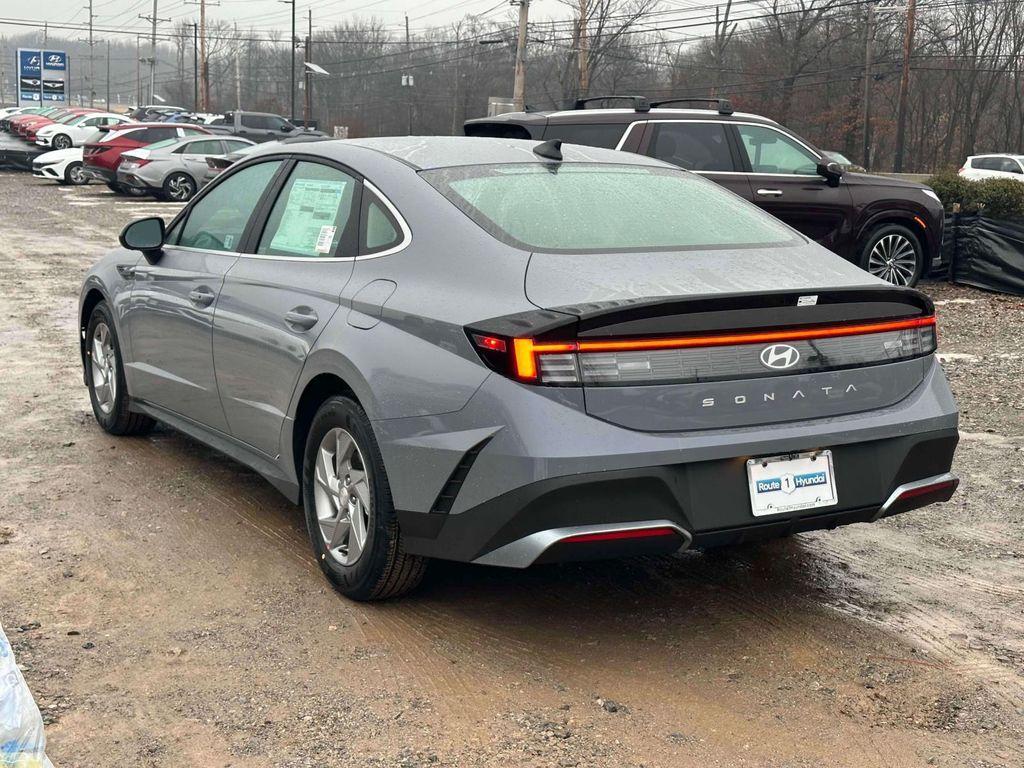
{"x": 780, "y": 356}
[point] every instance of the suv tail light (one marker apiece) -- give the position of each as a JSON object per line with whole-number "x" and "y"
{"x": 713, "y": 357}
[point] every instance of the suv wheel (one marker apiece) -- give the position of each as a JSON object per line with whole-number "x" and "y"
{"x": 105, "y": 374}
{"x": 893, "y": 253}
{"x": 349, "y": 512}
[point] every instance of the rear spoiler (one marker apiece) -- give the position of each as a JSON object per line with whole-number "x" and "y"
{"x": 719, "y": 313}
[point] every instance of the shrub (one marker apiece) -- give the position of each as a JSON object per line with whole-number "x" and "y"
{"x": 996, "y": 198}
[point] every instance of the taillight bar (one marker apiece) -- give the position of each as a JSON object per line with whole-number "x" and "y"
{"x": 525, "y": 351}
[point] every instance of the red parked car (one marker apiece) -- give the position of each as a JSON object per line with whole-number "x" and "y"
{"x": 101, "y": 158}
{"x": 14, "y": 122}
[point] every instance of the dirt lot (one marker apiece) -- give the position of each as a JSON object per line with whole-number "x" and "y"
{"x": 170, "y": 613}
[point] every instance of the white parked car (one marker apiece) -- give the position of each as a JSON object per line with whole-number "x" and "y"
{"x": 74, "y": 132}
{"x": 978, "y": 167}
{"x": 61, "y": 165}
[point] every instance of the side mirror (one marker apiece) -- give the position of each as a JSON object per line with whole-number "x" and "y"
{"x": 287, "y": 128}
{"x": 832, "y": 172}
{"x": 146, "y": 235}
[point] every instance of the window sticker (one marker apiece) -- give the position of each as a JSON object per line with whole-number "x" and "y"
{"x": 312, "y": 205}
{"x": 326, "y": 237}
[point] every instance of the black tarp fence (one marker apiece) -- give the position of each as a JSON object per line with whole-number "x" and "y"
{"x": 984, "y": 252}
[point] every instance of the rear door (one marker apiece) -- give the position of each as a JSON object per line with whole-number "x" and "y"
{"x": 194, "y": 154}
{"x": 281, "y": 294}
{"x": 704, "y": 147}
{"x": 783, "y": 176}
{"x": 170, "y": 313}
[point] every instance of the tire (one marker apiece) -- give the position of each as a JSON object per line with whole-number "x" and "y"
{"x": 110, "y": 407}
{"x": 62, "y": 141}
{"x": 179, "y": 187}
{"x": 115, "y": 187}
{"x": 893, "y": 253}
{"x": 74, "y": 174}
{"x": 380, "y": 568}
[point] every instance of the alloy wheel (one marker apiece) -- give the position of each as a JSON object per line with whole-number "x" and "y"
{"x": 76, "y": 174}
{"x": 61, "y": 142}
{"x": 104, "y": 368}
{"x": 180, "y": 188}
{"x": 341, "y": 495}
{"x": 893, "y": 259}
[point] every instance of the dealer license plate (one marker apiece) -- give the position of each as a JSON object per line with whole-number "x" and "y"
{"x": 780, "y": 484}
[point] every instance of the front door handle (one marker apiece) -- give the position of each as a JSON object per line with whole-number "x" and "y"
{"x": 302, "y": 318}
{"x": 770, "y": 192}
{"x": 201, "y": 296}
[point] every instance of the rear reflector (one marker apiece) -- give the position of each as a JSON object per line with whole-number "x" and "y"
{"x": 919, "y": 494}
{"x": 688, "y": 359}
{"x": 630, "y": 533}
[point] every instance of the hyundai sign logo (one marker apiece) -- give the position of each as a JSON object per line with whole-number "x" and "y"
{"x": 780, "y": 356}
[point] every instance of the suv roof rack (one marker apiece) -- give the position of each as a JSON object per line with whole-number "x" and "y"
{"x": 724, "y": 106}
{"x": 640, "y": 103}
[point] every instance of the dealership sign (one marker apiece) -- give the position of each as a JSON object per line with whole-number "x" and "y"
{"x": 42, "y": 76}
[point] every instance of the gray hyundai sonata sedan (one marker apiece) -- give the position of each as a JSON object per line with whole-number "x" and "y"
{"x": 510, "y": 352}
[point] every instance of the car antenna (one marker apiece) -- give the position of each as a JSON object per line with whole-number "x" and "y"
{"x": 552, "y": 149}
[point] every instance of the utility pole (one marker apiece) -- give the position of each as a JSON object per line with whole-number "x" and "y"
{"x": 92, "y": 67}
{"x": 307, "y": 115}
{"x": 152, "y": 49}
{"x": 238, "y": 72}
{"x": 204, "y": 70}
{"x": 195, "y": 66}
{"x": 519, "y": 86}
{"x": 583, "y": 56}
{"x": 138, "y": 72}
{"x": 867, "y": 86}
{"x": 107, "y": 105}
{"x": 291, "y": 87}
{"x": 901, "y": 119}
{"x": 408, "y": 79}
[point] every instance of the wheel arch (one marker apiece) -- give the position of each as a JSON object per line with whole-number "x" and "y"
{"x": 92, "y": 296}
{"x": 908, "y": 219}
{"x": 316, "y": 391}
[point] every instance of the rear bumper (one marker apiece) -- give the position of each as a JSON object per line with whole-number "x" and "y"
{"x": 129, "y": 179}
{"x": 562, "y": 470}
{"x": 100, "y": 174}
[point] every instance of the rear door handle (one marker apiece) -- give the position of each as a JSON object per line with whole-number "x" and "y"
{"x": 302, "y": 318}
{"x": 770, "y": 192}
{"x": 201, "y": 296}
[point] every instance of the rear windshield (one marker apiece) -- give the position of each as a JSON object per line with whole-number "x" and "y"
{"x": 591, "y": 207}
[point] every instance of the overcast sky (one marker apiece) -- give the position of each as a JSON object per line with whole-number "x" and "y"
{"x": 267, "y": 15}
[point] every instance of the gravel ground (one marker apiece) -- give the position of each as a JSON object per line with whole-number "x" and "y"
{"x": 164, "y": 605}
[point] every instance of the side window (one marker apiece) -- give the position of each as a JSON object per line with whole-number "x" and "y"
{"x": 770, "y": 151}
{"x": 93, "y": 121}
{"x": 208, "y": 147}
{"x": 253, "y": 121}
{"x": 218, "y": 219}
{"x": 593, "y": 135}
{"x": 153, "y": 135}
{"x": 192, "y": 132}
{"x": 379, "y": 229}
{"x": 274, "y": 123}
{"x": 313, "y": 214}
{"x": 694, "y": 146}
{"x": 1009, "y": 165}
{"x": 234, "y": 146}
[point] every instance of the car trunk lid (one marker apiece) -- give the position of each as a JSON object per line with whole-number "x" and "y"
{"x": 727, "y": 338}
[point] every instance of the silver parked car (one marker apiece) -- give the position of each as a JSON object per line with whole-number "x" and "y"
{"x": 508, "y": 352}
{"x": 173, "y": 169}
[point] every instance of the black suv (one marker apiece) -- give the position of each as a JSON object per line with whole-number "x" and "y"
{"x": 890, "y": 227}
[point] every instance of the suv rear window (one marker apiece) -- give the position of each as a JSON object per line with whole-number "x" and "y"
{"x": 604, "y": 207}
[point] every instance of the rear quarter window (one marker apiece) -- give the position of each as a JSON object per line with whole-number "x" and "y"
{"x": 592, "y": 135}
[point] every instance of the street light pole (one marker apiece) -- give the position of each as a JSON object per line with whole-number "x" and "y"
{"x": 291, "y": 89}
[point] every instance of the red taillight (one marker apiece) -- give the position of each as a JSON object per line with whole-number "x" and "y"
{"x": 492, "y": 343}
{"x": 631, "y": 533}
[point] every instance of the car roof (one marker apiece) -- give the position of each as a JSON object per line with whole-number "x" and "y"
{"x": 997, "y": 154}
{"x": 430, "y": 152}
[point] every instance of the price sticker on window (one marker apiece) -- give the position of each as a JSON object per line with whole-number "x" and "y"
{"x": 325, "y": 238}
